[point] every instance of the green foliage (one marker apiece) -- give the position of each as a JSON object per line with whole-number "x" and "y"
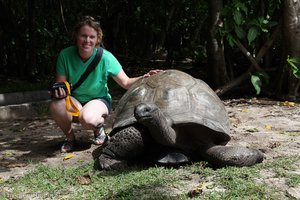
{"x": 252, "y": 34}
{"x": 243, "y": 22}
{"x": 257, "y": 79}
{"x": 294, "y": 62}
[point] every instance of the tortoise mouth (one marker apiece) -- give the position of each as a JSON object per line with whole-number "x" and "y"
{"x": 144, "y": 111}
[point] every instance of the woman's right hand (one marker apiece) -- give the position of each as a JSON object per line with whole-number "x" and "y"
{"x": 58, "y": 93}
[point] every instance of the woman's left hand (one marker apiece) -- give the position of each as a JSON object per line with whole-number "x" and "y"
{"x": 152, "y": 72}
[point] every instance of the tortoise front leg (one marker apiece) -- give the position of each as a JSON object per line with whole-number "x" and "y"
{"x": 126, "y": 145}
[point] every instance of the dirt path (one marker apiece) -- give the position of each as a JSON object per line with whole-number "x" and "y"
{"x": 271, "y": 126}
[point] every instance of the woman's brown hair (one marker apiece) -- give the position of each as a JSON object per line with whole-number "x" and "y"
{"x": 90, "y": 21}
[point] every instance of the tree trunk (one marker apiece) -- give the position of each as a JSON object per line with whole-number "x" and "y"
{"x": 291, "y": 32}
{"x": 215, "y": 46}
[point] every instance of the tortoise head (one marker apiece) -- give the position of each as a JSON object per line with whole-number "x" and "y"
{"x": 146, "y": 113}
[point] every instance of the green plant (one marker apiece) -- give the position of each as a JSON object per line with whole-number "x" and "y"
{"x": 257, "y": 79}
{"x": 293, "y": 62}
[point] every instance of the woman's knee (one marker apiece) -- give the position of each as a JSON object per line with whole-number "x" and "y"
{"x": 57, "y": 106}
{"x": 91, "y": 120}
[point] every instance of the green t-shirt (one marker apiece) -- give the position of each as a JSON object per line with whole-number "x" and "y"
{"x": 70, "y": 65}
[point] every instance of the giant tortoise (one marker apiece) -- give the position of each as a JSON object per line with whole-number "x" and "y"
{"x": 172, "y": 118}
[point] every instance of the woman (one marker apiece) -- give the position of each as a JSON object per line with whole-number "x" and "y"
{"x": 92, "y": 97}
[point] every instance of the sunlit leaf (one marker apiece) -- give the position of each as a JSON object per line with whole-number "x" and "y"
{"x": 293, "y": 62}
{"x": 257, "y": 79}
{"x": 268, "y": 127}
{"x": 68, "y": 156}
{"x": 287, "y": 103}
{"x": 256, "y": 82}
{"x": 245, "y": 110}
{"x": 200, "y": 188}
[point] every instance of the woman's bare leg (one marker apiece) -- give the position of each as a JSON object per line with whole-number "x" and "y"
{"x": 62, "y": 118}
{"x": 92, "y": 117}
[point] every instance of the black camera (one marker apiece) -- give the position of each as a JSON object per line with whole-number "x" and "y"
{"x": 57, "y": 85}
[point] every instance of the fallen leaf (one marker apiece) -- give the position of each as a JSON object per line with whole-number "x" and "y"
{"x": 8, "y": 154}
{"x": 268, "y": 127}
{"x": 68, "y": 156}
{"x": 273, "y": 145}
{"x": 287, "y": 103}
{"x": 245, "y": 110}
{"x": 84, "y": 180}
{"x": 234, "y": 121}
{"x": 252, "y": 130}
{"x": 196, "y": 191}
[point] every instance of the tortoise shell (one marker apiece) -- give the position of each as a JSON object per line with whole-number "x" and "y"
{"x": 184, "y": 99}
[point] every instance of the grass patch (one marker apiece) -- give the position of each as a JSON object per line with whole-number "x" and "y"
{"x": 154, "y": 182}
{"x": 61, "y": 183}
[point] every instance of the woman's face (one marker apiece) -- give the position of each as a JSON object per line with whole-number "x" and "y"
{"x": 86, "y": 39}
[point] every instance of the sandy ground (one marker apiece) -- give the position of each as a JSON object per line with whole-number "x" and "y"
{"x": 268, "y": 125}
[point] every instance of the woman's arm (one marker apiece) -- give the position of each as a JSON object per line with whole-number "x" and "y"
{"x": 60, "y": 78}
{"x": 125, "y": 82}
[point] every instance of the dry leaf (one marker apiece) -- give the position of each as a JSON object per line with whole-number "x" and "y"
{"x": 196, "y": 191}
{"x": 68, "y": 156}
{"x": 84, "y": 180}
{"x": 8, "y": 154}
{"x": 245, "y": 110}
{"x": 268, "y": 127}
{"x": 234, "y": 121}
{"x": 287, "y": 103}
{"x": 252, "y": 130}
{"x": 273, "y": 145}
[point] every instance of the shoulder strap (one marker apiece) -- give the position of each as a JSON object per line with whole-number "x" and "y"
{"x": 89, "y": 69}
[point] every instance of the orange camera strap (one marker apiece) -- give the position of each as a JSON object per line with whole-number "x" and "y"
{"x": 75, "y": 112}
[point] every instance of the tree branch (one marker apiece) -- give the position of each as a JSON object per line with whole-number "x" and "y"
{"x": 62, "y": 15}
{"x": 222, "y": 90}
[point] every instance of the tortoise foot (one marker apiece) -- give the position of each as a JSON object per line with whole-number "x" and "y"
{"x": 111, "y": 164}
{"x": 173, "y": 159}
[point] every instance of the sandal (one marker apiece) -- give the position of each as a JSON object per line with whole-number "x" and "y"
{"x": 100, "y": 137}
{"x": 67, "y": 146}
